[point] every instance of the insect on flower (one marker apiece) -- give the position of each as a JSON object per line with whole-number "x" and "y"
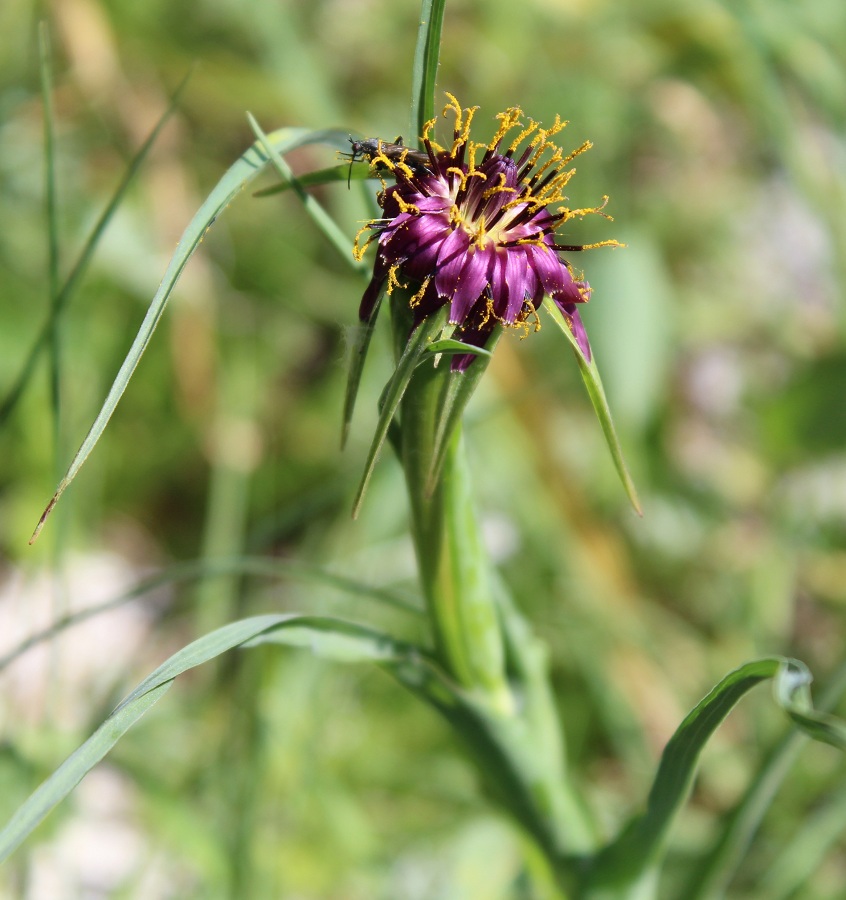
{"x": 372, "y": 149}
{"x": 470, "y": 226}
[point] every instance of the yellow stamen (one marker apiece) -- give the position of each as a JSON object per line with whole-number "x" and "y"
{"x": 407, "y": 207}
{"x": 507, "y": 120}
{"x": 360, "y": 249}
{"x": 415, "y": 300}
{"x": 523, "y": 135}
{"x": 393, "y": 281}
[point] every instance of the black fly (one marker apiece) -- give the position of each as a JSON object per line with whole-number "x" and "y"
{"x": 370, "y": 149}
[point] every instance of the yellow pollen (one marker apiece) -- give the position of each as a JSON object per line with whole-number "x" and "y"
{"x": 507, "y": 120}
{"x": 360, "y": 249}
{"x": 523, "y": 135}
{"x": 407, "y": 207}
{"x": 415, "y": 300}
{"x": 393, "y": 281}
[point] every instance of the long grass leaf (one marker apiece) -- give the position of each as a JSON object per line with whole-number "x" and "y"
{"x": 424, "y": 70}
{"x": 637, "y": 849}
{"x": 36, "y": 808}
{"x": 359, "y": 172}
{"x": 332, "y": 638}
{"x": 710, "y": 878}
{"x": 331, "y": 230}
{"x": 358, "y": 356}
{"x": 248, "y": 166}
{"x": 202, "y": 569}
{"x": 593, "y": 383}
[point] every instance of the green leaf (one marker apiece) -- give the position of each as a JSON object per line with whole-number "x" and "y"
{"x": 35, "y": 809}
{"x": 593, "y": 383}
{"x": 415, "y": 347}
{"x": 84, "y": 258}
{"x": 333, "y": 638}
{"x": 248, "y": 166}
{"x": 634, "y": 854}
{"x": 424, "y": 71}
{"x": 710, "y": 878}
{"x": 451, "y": 347}
{"x": 359, "y": 172}
{"x": 320, "y": 217}
{"x": 358, "y": 356}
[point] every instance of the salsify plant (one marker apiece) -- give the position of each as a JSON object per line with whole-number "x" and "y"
{"x": 467, "y": 246}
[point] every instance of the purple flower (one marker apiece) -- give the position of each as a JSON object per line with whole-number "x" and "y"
{"x": 471, "y": 225}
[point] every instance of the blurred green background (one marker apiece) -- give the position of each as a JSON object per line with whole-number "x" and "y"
{"x": 720, "y": 136}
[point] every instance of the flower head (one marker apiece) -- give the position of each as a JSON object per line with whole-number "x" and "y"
{"x": 471, "y": 225}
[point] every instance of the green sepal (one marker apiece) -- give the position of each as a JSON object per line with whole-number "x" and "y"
{"x": 415, "y": 347}
{"x": 358, "y": 356}
{"x": 593, "y": 383}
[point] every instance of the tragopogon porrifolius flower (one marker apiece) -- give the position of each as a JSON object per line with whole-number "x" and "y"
{"x": 471, "y": 226}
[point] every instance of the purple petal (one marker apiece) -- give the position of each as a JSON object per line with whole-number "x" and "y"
{"x": 469, "y": 284}
{"x": 451, "y": 256}
{"x": 516, "y": 280}
{"x": 553, "y": 274}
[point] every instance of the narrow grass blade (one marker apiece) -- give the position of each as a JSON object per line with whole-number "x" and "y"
{"x": 394, "y": 390}
{"x": 333, "y": 638}
{"x": 424, "y": 71}
{"x": 358, "y": 356}
{"x": 36, "y": 808}
{"x": 248, "y": 166}
{"x": 359, "y": 172}
{"x": 593, "y": 383}
{"x": 637, "y": 849}
{"x": 79, "y": 267}
{"x": 333, "y": 233}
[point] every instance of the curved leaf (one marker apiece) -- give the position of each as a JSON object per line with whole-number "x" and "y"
{"x": 248, "y": 166}
{"x": 709, "y": 879}
{"x": 197, "y": 570}
{"x": 333, "y": 638}
{"x": 321, "y": 218}
{"x": 593, "y": 383}
{"x": 634, "y": 853}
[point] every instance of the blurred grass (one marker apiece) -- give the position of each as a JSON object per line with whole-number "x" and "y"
{"x": 719, "y": 135}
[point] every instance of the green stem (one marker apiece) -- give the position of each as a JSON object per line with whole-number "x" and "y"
{"x": 508, "y": 719}
{"x": 454, "y": 567}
